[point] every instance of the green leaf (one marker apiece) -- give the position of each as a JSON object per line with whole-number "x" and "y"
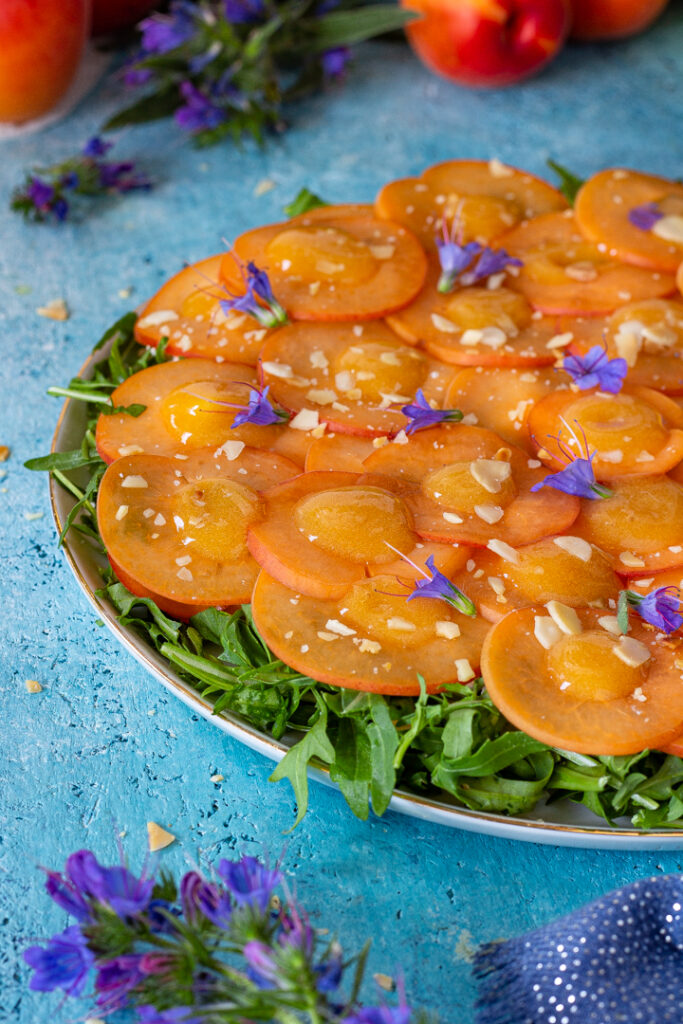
{"x": 149, "y": 108}
{"x": 344, "y": 28}
{"x": 304, "y": 201}
{"x": 123, "y": 327}
{"x": 128, "y": 605}
{"x": 351, "y": 768}
{"x": 134, "y": 410}
{"x": 569, "y": 182}
{"x": 495, "y": 755}
{"x": 63, "y": 461}
{"x": 384, "y": 741}
{"x": 294, "y": 765}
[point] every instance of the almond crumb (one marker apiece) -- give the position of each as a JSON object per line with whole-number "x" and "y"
{"x": 57, "y": 309}
{"x": 158, "y": 838}
{"x": 384, "y": 982}
{"x": 216, "y": 778}
{"x": 33, "y": 686}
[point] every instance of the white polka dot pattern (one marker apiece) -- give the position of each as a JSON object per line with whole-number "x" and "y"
{"x": 618, "y": 960}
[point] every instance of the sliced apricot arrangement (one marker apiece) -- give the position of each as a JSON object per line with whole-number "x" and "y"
{"x": 370, "y": 638}
{"x": 565, "y": 273}
{"x": 463, "y": 484}
{"x": 323, "y": 267}
{"x": 568, "y": 678}
{"x": 179, "y": 529}
{"x": 486, "y": 197}
{"x": 612, "y": 208}
{"x": 356, "y": 377}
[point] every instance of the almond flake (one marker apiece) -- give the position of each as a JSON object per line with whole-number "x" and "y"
{"x": 616, "y": 455}
{"x": 382, "y": 252}
{"x": 134, "y": 481}
{"x": 546, "y": 631}
{"x": 263, "y": 186}
{"x": 335, "y": 626}
{"x": 367, "y": 646}
{"x": 493, "y": 337}
{"x": 451, "y": 517}
{"x": 444, "y": 325}
{"x": 324, "y": 635}
{"x": 564, "y": 617}
{"x": 379, "y": 442}
{"x": 184, "y": 574}
{"x": 318, "y": 359}
{"x": 183, "y": 560}
{"x": 130, "y": 449}
{"x": 559, "y": 340}
{"x": 576, "y": 546}
{"x": 628, "y": 341}
{"x": 675, "y": 549}
{"x": 401, "y": 438}
{"x": 159, "y": 317}
{"x": 463, "y": 670}
{"x": 216, "y": 778}
{"x": 389, "y": 359}
{"x": 231, "y": 449}
{"x": 121, "y": 512}
{"x": 669, "y": 229}
{"x": 321, "y": 396}
{"x": 645, "y": 457}
{"x": 644, "y": 582}
{"x": 159, "y": 519}
{"x": 55, "y": 310}
{"x": 470, "y": 337}
{"x": 339, "y": 407}
{"x": 534, "y": 463}
{"x": 631, "y": 651}
{"x": 489, "y": 513}
{"x": 33, "y": 686}
{"x": 319, "y": 430}
{"x": 157, "y": 837}
{"x": 639, "y": 695}
{"x": 610, "y": 623}
{"x": 275, "y": 369}
{"x": 497, "y": 169}
{"x": 631, "y": 560}
{"x": 491, "y": 474}
{"x": 499, "y": 547}
{"x": 446, "y": 629}
{"x": 314, "y": 288}
{"x": 306, "y": 419}
{"x": 582, "y": 270}
{"x": 401, "y": 625}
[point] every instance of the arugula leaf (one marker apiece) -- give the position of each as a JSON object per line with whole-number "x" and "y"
{"x": 352, "y": 765}
{"x": 343, "y": 28}
{"x": 570, "y": 183}
{"x": 294, "y": 765}
{"x": 122, "y": 327}
{"x": 63, "y": 461}
{"x": 384, "y": 740}
{"x": 304, "y": 201}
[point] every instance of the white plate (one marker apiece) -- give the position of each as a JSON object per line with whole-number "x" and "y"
{"x": 560, "y": 824}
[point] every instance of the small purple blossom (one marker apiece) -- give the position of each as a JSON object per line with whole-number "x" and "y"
{"x": 259, "y": 410}
{"x": 329, "y": 972}
{"x": 380, "y": 1015}
{"x": 454, "y": 257}
{"x": 96, "y": 147}
{"x": 87, "y": 880}
{"x": 164, "y": 32}
{"x": 645, "y": 216}
{"x": 243, "y": 12}
{"x": 40, "y": 193}
{"x": 421, "y": 414}
{"x": 334, "y": 61}
{"x": 250, "y": 882}
{"x": 578, "y": 476}
{"x": 596, "y": 370}
{"x": 134, "y": 76}
{"x": 268, "y": 312}
{"x": 64, "y": 963}
{"x": 121, "y": 177}
{"x": 438, "y": 586}
{"x": 198, "y": 113}
{"x": 215, "y": 904}
{"x": 262, "y": 963}
{"x": 116, "y": 978}
{"x": 178, "y": 1015}
{"x": 660, "y": 607}
{"x": 490, "y": 261}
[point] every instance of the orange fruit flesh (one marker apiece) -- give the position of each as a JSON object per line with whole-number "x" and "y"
{"x": 312, "y": 253}
{"x": 356, "y": 523}
{"x": 455, "y": 487}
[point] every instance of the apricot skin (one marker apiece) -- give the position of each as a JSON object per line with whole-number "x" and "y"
{"x": 41, "y": 42}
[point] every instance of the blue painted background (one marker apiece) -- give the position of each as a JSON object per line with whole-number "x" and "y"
{"x": 103, "y": 748}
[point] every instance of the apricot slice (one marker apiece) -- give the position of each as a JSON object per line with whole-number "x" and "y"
{"x": 563, "y": 272}
{"x": 575, "y": 692}
{"x": 345, "y": 452}
{"x": 476, "y": 326}
{"x": 176, "y": 609}
{"x": 463, "y": 484}
{"x": 602, "y": 212}
{"x": 356, "y": 377}
{"x": 649, "y": 336}
{"x": 187, "y": 311}
{"x": 369, "y": 638}
{"x": 501, "y": 397}
{"x": 187, "y": 408}
{"x": 565, "y": 568}
{"x": 323, "y": 268}
{"x": 179, "y": 529}
{"x": 488, "y": 198}
{"x": 640, "y": 525}
{"x": 631, "y": 433}
{"x": 321, "y": 531}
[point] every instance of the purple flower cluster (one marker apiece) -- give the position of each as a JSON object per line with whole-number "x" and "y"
{"x": 468, "y": 263}
{"x": 258, "y": 300}
{"x": 596, "y": 370}
{"x": 421, "y": 414}
{"x": 188, "y": 962}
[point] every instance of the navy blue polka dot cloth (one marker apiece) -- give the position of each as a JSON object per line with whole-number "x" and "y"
{"x": 618, "y": 960}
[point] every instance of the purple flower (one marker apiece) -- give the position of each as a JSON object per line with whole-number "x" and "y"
{"x": 259, "y": 410}
{"x": 70, "y": 180}
{"x": 60, "y": 208}
{"x": 660, "y": 607}
{"x": 421, "y": 414}
{"x": 257, "y": 284}
{"x": 115, "y": 887}
{"x": 67, "y": 896}
{"x": 380, "y": 1015}
{"x": 645, "y": 216}
{"x": 96, "y": 147}
{"x": 40, "y": 193}
{"x": 454, "y": 257}
{"x": 596, "y": 370}
{"x": 178, "y": 1015}
{"x": 250, "y": 882}
{"x": 491, "y": 261}
{"x": 578, "y": 476}
{"x": 116, "y": 978}
{"x": 164, "y": 32}
{"x": 134, "y": 76}
{"x": 334, "y": 61}
{"x": 64, "y": 963}
{"x": 263, "y": 964}
{"x": 243, "y": 12}
{"x": 329, "y": 972}
{"x": 198, "y": 113}
{"x": 438, "y": 586}
{"x": 120, "y": 177}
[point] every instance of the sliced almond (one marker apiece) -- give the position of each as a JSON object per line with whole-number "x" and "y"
{"x": 157, "y": 318}
{"x": 499, "y": 547}
{"x": 282, "y": 370}
{"x": 335, "y": 626}
{"x": 133, "y": 481}
{"x": 669, "y": 228}
{"x": 33, "y": 686}
{"x": 631, "y": 560}
{"x": 464, "y": 670}
{"x": 489, "y": 513}
{"x": 444, "y": 325}
{"x": 158, "y": 838}
{"x": 305, "y": 419}
{"x": 564, "y": 617}
{"x": 576, "y": 546}
{"x": 491, "y": 474}
{"x": 631, "y": 651}
{"x": 446, "y": 629}
{"x": 610, "y": 623}
{"x": 231, "y": 449}
{"x": 401, "y": 625}
{"x": 546, "y": 631}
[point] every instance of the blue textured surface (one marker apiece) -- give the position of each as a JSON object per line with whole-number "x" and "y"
{"x": 103, "y": 747}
